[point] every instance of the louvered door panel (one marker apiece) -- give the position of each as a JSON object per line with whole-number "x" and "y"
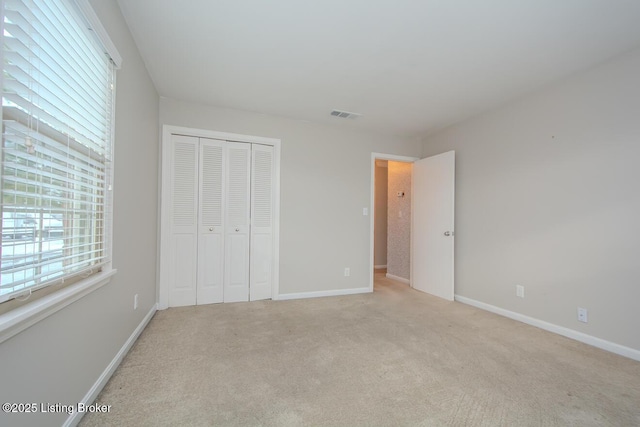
{"x": 211, "y": 222}
{"x": 237, "y": 186}
{"x": 184, "y": 208}
{"x": 262, "y": 196}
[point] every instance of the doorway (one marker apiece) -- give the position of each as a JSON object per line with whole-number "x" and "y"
{"x": 390, "y": 219}
{"x": 429, "y": 202}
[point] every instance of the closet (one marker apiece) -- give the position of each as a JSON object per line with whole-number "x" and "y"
{"x": 218, "y": 224}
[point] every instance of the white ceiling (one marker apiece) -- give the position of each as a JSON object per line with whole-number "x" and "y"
{"x": 409, "y": 67}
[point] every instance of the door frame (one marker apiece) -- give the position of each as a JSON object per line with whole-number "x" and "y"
{"x": 164, "y": 200}
{"x": 374, "y": 157}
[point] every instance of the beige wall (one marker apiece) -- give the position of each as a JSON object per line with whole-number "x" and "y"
{"x": 547, "y": 197}
{"x": 60, "y": 358}
{"x": 380, "y": 220}
{"x": 399, "y": 220}
{"x": 325, "y": 184}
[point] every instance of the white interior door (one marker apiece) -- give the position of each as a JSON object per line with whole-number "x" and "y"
{"x": 261, "y": 222}
{"x": 432, "y": 225}
{"x": 211, "y": 222}
{"x": 236, "y": 269}
{"x": 183, "y": 239}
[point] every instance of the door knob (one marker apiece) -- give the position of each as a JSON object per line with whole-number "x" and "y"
{"x": 210, "y": 228}
{"x": 448, "y": 233}
{"x": 237, "y": 229}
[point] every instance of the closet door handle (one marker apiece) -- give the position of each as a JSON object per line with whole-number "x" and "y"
{"x": 237, "y": 229}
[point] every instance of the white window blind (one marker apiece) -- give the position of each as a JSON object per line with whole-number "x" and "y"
{"x": 57, "y": 109}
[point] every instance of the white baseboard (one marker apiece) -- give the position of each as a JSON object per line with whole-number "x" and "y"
{"x": 560, "y": 330}
{"x": 380, "y": 266}
{"x": 92, "y": 394}
{"x": 398, "y": 279}
{"x": 317, "y": 294}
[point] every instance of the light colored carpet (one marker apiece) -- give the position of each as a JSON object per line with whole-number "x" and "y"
{"x": 396, "y": 357}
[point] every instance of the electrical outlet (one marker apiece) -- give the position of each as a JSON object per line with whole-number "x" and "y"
{"x": 135, "y": 302}
{"x": 520, "y": 291}
{"x": 347, "y": 272}
{"x": 582, "y": 315}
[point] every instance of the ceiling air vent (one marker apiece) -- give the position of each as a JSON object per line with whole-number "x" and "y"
{"x": 345, "y": 114}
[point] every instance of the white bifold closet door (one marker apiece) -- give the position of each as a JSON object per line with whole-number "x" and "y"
{"x": 184, "y": 221}
{"x": 217, "y": 254}
{"x": 211, "y": 226}
{"x": 236, "y": 272}
{"x": 262, "y": 196}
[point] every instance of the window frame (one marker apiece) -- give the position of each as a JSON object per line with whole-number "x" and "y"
{"x": 39, "y": 307}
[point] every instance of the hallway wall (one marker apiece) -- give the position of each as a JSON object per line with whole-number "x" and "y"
{"x": 399, "y": 220}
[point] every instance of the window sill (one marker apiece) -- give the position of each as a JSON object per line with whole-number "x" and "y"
{"x": 21, "y": 318}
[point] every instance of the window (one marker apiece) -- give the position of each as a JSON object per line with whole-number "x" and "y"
{"x": 55, "y": 175}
